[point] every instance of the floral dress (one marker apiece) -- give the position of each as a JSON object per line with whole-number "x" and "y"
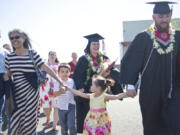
{"x": 97, "y": 121}
{"x": 46, "y": 100}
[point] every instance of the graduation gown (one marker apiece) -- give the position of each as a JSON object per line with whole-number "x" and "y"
{"x": 117, "y": 87}
{"x": 159, "y": 117}
{"x": 82, "y": 104}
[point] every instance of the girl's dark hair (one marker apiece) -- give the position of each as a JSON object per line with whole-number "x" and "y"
{"x": 27, "y": 43}
{"x": 56, "y": 60}
{"x": 104, "y": 83}
{"x": 64, "y": 65}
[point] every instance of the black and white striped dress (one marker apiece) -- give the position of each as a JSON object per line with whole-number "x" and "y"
{"x": 24, "y": 121}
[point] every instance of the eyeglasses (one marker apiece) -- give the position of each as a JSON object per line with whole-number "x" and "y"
{"x": 52, "y": 54}
{"x": 15, "y": 37}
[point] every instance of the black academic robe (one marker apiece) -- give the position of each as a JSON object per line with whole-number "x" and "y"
{"x": 156, "y": 82}
{"x": 82, "y": 105}
{"x": 117, "y": 87}
{"x": 80, "y": 74}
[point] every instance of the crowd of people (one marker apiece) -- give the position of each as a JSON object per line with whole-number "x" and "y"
{"x": 57, "y": 92}
{"x": 77, "y": 92}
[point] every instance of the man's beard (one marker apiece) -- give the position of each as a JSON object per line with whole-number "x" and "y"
{"x": 160, "y": 29}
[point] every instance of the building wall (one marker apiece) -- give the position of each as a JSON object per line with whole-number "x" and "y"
{"x": 176, "y": 23}
{"x": 132, "y": 28}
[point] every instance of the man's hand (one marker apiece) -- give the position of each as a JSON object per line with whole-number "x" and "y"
{"x": 131, "y": 93}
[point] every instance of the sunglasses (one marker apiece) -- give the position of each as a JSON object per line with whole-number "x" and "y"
{"x": 52, "y": 54}
{"x": 15, "y": 37}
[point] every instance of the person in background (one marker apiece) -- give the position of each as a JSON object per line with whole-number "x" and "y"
{"x": 47, "y": 100}
{"x": 5, "y": 119}
{"x": 7, "y": 47}
{"x": 66, "y": 102}
{"x": 21, "y": 68}
{"x": 73, "y": 63}
{"x": 3, "y": 73}
{"x": 91, "y": 63}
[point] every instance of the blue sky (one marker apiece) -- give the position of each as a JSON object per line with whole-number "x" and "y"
{"x": 61, "y": 24}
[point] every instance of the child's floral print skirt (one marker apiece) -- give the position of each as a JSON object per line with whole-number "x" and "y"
{"x": 97, "y": 122}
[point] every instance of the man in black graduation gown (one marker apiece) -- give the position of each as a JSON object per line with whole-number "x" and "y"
{"x": 80, "y": 77}
{"x": 160, "y": 84}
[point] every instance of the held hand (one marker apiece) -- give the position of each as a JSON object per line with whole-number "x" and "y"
{"x": 81, "y": 90}
{"x": 131, "y": 93}
{"x": 106, "y": 73}
{"x": 62, "y": 90}
{"x": 66, "y": 88}
{"x": 125, "y": 95}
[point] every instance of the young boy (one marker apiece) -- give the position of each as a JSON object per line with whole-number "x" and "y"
{"x": 66, "y": 102}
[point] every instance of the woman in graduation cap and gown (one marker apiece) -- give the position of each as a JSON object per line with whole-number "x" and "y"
{"x": 93, "y": 62}
{"x": 157, "y": 52}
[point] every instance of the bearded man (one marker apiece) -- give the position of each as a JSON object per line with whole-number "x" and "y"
{"x": 154, "y": 58}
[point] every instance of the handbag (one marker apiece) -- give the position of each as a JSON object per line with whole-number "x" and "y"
{"x": 41, "y": 75}
{"x": 10, "y": 103}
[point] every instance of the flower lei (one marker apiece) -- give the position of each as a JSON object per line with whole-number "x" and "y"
{"x": 91, "y": 66}
{"x": 156, "y": 45}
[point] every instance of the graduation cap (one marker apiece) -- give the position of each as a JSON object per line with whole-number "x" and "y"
{"x": 162, "y": 7}
{"x": 92, "y": 38}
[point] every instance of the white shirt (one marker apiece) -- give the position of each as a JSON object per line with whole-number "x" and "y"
{"x": 68, "y": 98}
{"x": 130, "y": 87}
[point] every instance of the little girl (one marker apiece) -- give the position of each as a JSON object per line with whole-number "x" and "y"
{"x": 97, "y": 121}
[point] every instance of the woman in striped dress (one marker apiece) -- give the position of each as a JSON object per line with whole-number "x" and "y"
{"x": 20, "y": 66}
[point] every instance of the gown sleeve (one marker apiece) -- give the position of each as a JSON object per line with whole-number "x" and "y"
{"x": 178, "y": 55}
{"x": 80, "y": 72}
{"x": 178, "y": 41}
{"x": 115, "y": 75}
{"x": 132, "y": 62}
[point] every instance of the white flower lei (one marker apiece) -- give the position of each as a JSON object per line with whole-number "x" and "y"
{"x": 156, "y": 44}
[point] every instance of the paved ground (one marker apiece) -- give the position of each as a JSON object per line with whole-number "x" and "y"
{"x": 125, "y": 116}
